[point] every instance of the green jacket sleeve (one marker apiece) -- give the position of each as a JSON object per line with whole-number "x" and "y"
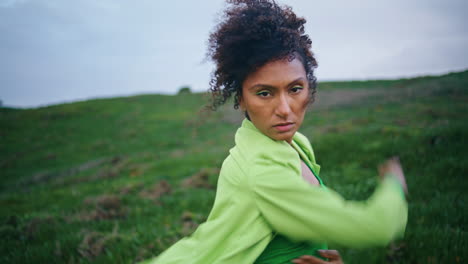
{"x": 303, "y": 212}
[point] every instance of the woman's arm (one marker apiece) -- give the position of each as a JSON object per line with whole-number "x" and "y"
{"x": 303, "y": 212}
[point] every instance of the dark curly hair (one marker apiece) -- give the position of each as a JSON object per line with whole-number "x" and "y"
{"x": 251, "y": 34}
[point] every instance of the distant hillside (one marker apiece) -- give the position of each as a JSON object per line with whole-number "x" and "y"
{"x": 119, "y": 180}
{"x": 389, "y": 83}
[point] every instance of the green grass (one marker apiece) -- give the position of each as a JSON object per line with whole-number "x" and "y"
{"x": 83, "y": 182}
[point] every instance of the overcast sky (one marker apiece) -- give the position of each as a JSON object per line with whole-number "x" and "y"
{"x": 54, "y": 51}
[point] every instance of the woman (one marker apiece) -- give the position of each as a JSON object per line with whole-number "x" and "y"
{"x": 271, "y": 206}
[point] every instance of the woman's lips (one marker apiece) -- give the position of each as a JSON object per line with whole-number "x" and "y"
{"x": 284, "y": 127}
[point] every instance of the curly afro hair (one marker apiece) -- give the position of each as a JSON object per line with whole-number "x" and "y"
{"x": 251, "y": 34}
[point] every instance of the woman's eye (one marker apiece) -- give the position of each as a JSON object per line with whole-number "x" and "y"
{"x": 296, "y": 89}
{"x": 263, "y": 93}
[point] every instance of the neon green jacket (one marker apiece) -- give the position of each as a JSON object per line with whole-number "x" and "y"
{"x": 261, "y": 192}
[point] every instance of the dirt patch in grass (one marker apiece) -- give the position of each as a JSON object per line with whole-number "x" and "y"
{"x": 106, "y": 207}
{"x": 33, "y": 226}
{"x": 14, "y": 228}
{"x": 111, "y": 168}
{"x": 130, "y": 188}
{"x": 114, "y": 168}
{"x": 138, "y": 169}
{"x": 190, "y": 222}
{"x": 144, "y": 252}
{"x": 94, "y": 243}
{"x": 156, "y": 191}
{"x": 177, "y": 153}
{"x": 201, "y": 179}
{"x": 44, "y": 177}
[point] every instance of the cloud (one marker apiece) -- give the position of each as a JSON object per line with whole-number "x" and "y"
{"x": 55, "y": 50}
{"x": 10, "y": 3}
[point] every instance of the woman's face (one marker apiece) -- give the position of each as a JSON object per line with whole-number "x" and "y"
{"x": 276, "y": 97}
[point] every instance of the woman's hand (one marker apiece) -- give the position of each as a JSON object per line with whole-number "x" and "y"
{"x": 333, "y": 256}
{"x": 393, "y": 166}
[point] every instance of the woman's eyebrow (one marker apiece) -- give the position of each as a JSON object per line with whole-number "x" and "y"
{"x": 260, "y": 85}
{"x": 296, "y": 80}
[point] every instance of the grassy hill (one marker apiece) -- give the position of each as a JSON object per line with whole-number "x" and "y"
{"x": 119, "y": 180}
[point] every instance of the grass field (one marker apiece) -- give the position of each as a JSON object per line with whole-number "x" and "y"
{"x": 119, "y": 180}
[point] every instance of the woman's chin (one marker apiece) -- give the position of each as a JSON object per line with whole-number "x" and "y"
{"x": 286, "y": 136}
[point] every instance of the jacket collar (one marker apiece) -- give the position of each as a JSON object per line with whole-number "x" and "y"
{"x": 299, "y": 143}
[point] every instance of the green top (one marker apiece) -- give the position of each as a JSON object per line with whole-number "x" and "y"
{"x": 261, "y": 193}
{"x": 282, "y": 250}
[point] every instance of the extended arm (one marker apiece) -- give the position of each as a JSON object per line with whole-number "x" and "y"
{"x": 303, "y": 212}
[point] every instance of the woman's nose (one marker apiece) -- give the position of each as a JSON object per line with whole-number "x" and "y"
{"x": 283, "y": 108}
